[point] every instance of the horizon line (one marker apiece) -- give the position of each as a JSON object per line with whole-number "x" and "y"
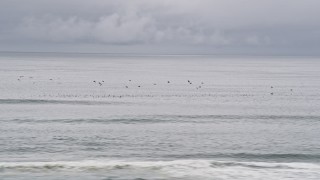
{"x": 162, "y": 54}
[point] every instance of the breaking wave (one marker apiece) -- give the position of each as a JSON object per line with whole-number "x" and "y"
{"x": 171, "y": 170}
{"x": 154, "y": 165}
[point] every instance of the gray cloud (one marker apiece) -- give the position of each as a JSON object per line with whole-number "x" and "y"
{"x": 272, "y": 25}
{"x": 116, "y": 29}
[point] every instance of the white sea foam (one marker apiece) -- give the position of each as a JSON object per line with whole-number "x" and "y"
{"x": 205, "y": 169}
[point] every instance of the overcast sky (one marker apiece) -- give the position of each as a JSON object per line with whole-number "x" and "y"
{"x": 162, "y": 26}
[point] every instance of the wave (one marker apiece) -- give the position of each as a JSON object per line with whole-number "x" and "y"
{"x": 178, "y": 169}
{"x": 186, "y": 165}
{"x": 134, "y": 119}
{"x": 289, "y": 157}
{"x": 67, "y": 102}
{"x": 90, "y": 120}
{"x": 244, "y": 117}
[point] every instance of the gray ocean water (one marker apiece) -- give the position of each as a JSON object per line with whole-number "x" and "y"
{"x": 108, "y": 117}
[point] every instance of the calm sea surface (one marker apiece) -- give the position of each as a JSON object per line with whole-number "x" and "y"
{"x": 102, "y": 117}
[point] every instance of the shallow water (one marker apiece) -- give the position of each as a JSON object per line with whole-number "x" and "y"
{"x": 236, "y": 118}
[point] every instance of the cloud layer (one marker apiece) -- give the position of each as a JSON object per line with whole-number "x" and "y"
{"x": 267, "y": 25}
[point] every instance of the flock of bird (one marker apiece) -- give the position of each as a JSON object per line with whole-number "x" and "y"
{"x": 100, "y": 83}
{"x": 189, "y": 82}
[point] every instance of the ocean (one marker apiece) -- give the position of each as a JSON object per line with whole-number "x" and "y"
{"x": 174, "y": 117}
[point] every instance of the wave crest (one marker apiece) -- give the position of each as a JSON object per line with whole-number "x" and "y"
{"x": 155, "y": 165}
